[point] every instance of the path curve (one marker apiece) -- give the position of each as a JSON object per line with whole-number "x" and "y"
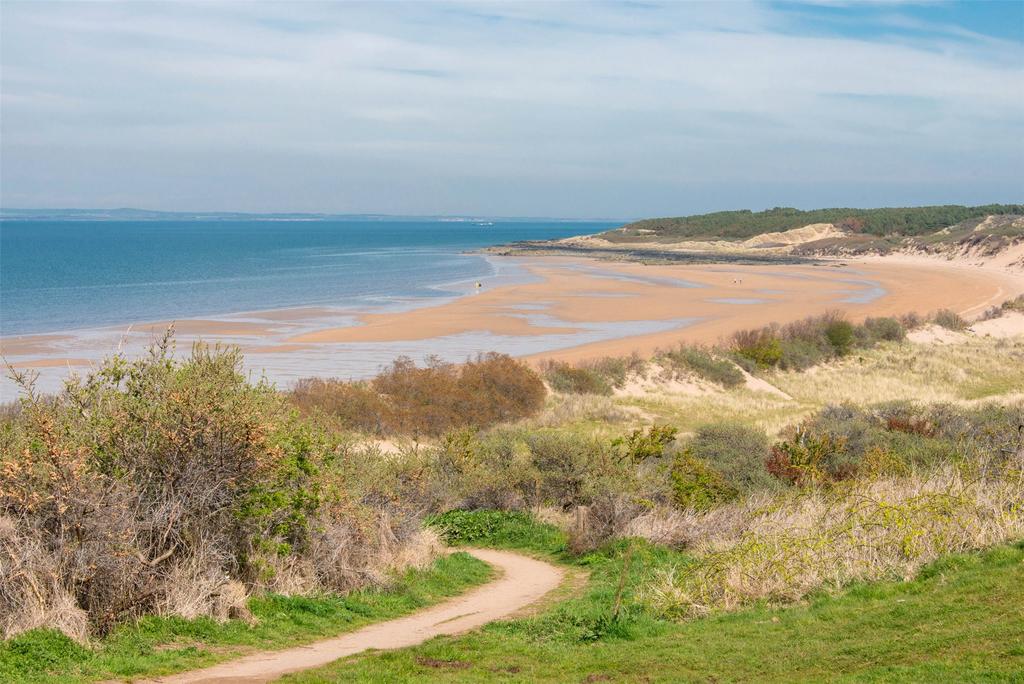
{"x": 523, "y": 581}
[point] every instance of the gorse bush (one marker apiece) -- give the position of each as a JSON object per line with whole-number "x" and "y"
{"x": 884, "y": 329}
{"x": 762, "y": 347}
{"x": 158, "y": 486}
{"x": 428, "y": 401}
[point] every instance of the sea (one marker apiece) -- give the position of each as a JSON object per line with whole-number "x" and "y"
{"x": 71, "y": 275}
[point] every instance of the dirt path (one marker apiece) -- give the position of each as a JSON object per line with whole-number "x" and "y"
{"x": 523, "y": 580}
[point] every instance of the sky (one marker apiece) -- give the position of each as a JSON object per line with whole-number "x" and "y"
{"x": 617, "y": 110}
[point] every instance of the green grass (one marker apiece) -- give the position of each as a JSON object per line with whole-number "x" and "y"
{"x": 159, "y": 645}
{"x": 962, "y": 619}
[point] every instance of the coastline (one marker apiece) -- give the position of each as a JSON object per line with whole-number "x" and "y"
{"x": 563, "y": 308}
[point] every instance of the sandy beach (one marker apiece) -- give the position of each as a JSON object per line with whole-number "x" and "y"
{"x": 717, "y": 299}
{"x": 564, "y": 308}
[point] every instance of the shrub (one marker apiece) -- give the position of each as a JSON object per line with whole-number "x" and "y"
{"x": 809, "y": 459}
{"x": 569, "y": 379}
{"x": 705, "y": 364}
{"x": 639, "y": 446}
{"x": 840, "y": 334}
{"x": 737, "y": 452}
{"x": 950, "y": 320}
{"x": 159, "y": 486}
{"x": 429, "y": 400}
{"x": 696, "y": 485}
{"x": 354, "y": 405}
{"x": 760, "y": 346}
{"x": 886, "y": 329}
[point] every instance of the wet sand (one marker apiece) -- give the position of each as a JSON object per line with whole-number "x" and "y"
{"x": 723, "y": 299}
{"x": 563, "y": 308}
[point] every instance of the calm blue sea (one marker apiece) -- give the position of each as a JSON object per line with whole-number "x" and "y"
{"x": 67, "y": 275}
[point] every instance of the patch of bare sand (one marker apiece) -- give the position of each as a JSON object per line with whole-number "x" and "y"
{"x": 522, "y": 581}
{"x": 51, "y": 363}
{"x": 198, "y": 326}
{"x": 935, "y": 334}
{"x": 24, "y": 345}
{"x": 1010, "y": 324}
{"x": 657, "y": 380}
{"x": 794, "y": 236}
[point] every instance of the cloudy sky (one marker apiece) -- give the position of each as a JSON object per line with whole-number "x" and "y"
{"x": 536, "y": 109}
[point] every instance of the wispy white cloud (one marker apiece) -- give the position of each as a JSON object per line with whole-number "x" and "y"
{"x": 604, "y": 109}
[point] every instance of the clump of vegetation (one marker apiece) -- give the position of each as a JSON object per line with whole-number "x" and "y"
{"x": 737, "y": 452}
{"x": 600, "y": 376}
{"x": 883, "y": 329}
{"x": 696, "y": 485}
{"x": 176, "y": 488}
{"x": 569, "y": 379}
{"x": 950, "y": 320}
{"x": 428, "y": 401}
{"x": 639, "y": 446}
{"x": 810, "y": 341}
{"x": 705, "y": 363}
{"x": 760, "y": 347}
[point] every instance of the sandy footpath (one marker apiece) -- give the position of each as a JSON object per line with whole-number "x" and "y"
{"x": 523, "y": 581}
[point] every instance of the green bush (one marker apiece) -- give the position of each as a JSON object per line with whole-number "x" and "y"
{"x": 950, "y": 320}
{"x": 737, "y": 452}
{"x": 640, "y": 446}
{"x": 569, "y": 379}
{"x": 840, "y": 334}
{"x": 886, "y": 329}
{"x": 696, "y": 485}
{"x": 759, "y": 346}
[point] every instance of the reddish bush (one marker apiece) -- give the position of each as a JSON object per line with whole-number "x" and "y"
{"x": 428, "y": 400}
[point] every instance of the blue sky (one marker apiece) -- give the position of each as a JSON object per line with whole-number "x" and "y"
{"x": 543, "y": 109}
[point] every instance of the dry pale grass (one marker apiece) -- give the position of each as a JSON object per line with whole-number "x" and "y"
{"x": 781, "y": 549}
{"x": 968, "y": 369}
{"x": 568, "y": 409}
{"x": 31, "y": 591}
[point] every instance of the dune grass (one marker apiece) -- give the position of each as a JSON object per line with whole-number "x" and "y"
{"x": 962, "y": 619}
{"x": 968, "y": 370}
{"x": 161, "y": 645}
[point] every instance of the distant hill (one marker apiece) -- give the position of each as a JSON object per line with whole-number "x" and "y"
{"x": 743, "y": 224}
